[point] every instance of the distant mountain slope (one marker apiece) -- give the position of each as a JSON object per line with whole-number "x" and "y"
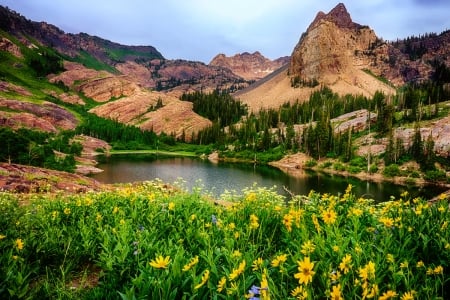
{"x": 250, "y": 66}
{"x": 145, "y": 64}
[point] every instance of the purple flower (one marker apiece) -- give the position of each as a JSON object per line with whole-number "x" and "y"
{"x": 214, "y": 219}
{"x": 254, "y": 290}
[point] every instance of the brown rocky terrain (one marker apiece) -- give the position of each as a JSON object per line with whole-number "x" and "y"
{"x": 45, "y": 116}
{"x": 250, "y": 66}
{"x": 26, "y": 179}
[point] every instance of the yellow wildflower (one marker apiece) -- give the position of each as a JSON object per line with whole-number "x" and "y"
{"x": 232, "y": 226}
{"x": 171, "y": 206}
{"x": 54, "y": 214}
{"x": 408, "y": 296}
{"x": 254, "y": 221}
{"x": 236, "y": 272}
{"x": 115, "y": 210}
{"x": 368, "y": 272}
{"x": 329, "y": 216}
{"x": 236, "y": 235}
{"x": 15, "y": 257}
{"x": 264, "y": 287}
{"x": 191, "y": 263}
{"x": 388, "y": 222}
{"x": 279, "y": 260}
{"x": 205, "y": 278}
{"x": 404, "y": 265}
{"x": 287, "y": 221}
{"x": 420, "y": 264}
{"x": 299, "y": 293}
{"x": 336, "y": 293}
{"x": 355, "y": 211}
{"x": 251, "y": 197}
{"x": 346, "y": 263}
{"x": 257, "y": 263}
{"x": 99, "y": 217}
{"x": 67, "y": 211}
{"x": 306, "y": 273}
{"x": 221, "y": 284}
{"x": 236, "y": 253}
{"x": 2, "y": 236}
{"x": 336, "y": 248}
{"x": 316, "y": 223}
{"x": 122, "y": 222}
{"x": 438, "y": 270}
{"x": 193, "y": 217}
{"x": 388, "y": 295}
{"x": 160, "y": 262}
{"x": 308, "y": 247}
{"x": 19, "y": 244}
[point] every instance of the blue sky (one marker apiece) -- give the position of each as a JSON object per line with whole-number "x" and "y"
{"x": 200, "y": 29}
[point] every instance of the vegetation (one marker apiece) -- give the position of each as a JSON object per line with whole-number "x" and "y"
{"x": 38, "y": 148}
{"x": 152, "y": 242}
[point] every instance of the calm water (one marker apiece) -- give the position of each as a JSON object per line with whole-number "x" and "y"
{"x": 217, "y": 178}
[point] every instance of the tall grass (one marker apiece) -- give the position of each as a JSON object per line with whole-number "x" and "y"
{"x": 154, "y": 242}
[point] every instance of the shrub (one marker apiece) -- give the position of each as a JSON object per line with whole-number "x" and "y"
{"x": 391, "y": 170}
{"x": 435, "y": 175}
{"x": 311, "y": 163}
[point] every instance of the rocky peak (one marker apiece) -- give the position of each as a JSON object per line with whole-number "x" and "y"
{"x": 338, "y": 15}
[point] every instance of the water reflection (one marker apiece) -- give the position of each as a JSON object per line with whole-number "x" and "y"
{"x": 217, "y": 178}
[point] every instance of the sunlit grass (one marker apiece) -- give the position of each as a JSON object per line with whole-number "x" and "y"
{"x": 156, "y": 242}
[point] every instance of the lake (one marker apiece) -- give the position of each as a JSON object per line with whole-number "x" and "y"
{"x": 217, "y": 178}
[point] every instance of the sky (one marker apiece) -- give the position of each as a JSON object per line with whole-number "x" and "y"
{"x": 200, "y": 29}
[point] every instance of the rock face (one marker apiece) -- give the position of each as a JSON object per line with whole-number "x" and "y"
{"x": 333, "y": 51}
{"x": 249, "y": 66}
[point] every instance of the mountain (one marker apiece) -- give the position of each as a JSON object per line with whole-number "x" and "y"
{"x": 349, "y": 58}
{"x": 250, "y": 66}
{"x": 145, "y": 63}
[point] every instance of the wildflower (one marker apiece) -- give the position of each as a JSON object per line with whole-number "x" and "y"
{"x": 205, "y": 278}
{"x": 191, "y": 263}
{"x": 171, "y": 206}
{"x": 254, "y": 221}
{"x": 122, "y": 222}
{"x": 299, "y": 292}
{"x": 67, "y": 211}
{"x": 442, "y": 196}
{"x": 388, "y": 295}
{"x": 287, "y": 221}
{"x": 15, "y": 257}
{"x": 388, "y": 222}
{"x": 306, "y": 273}
{"x": 232, "y": 226}
{"x": 236, "y": 235}
{"x": 370, "y": 293}
{"x": 257, "y": 263}
{"x": 336, "y": 293}
{"x": 420, "y": 264}
{"x": 336, "y": 248}
{"x": 438, "y": 270}
{"x": 160, "y": 262}
{"x": 236, "y": 253}
{"x": 236, "y": 272}
{"x": 54, "y": 214}
{"x": 307, "y": 248}
{"x": 316, "y": 222}
{"x": 355, "y": 211}
{"x": 115, "y": 210}
{"x": 253, "y": 291}
{"x": 99, "y": 217}
{"x": 444, "y": 226}
{"x": 279, "y": 260}
{"x": 221, "y": 284}
{"x": 408, "y": 296}
{"x": 345, "y": 264}
{"x": 251, "y": 197}
{"x": 19, "y": 244}
{"x": 404, "y": 265}
{"x": 193, "y": 217}
{"x": 334, "y": 276}
{"x": 2, "y": 236}
{"x": 329, "y": 216}
{"x": 368, "y": 272}
{"x": 430, "y": 271}
{"x": 264, "y": 290}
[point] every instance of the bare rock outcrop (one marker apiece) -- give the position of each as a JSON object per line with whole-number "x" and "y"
{"x": 7, "y": 45}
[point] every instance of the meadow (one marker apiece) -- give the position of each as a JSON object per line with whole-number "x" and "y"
{"x": 152, "y": 241}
